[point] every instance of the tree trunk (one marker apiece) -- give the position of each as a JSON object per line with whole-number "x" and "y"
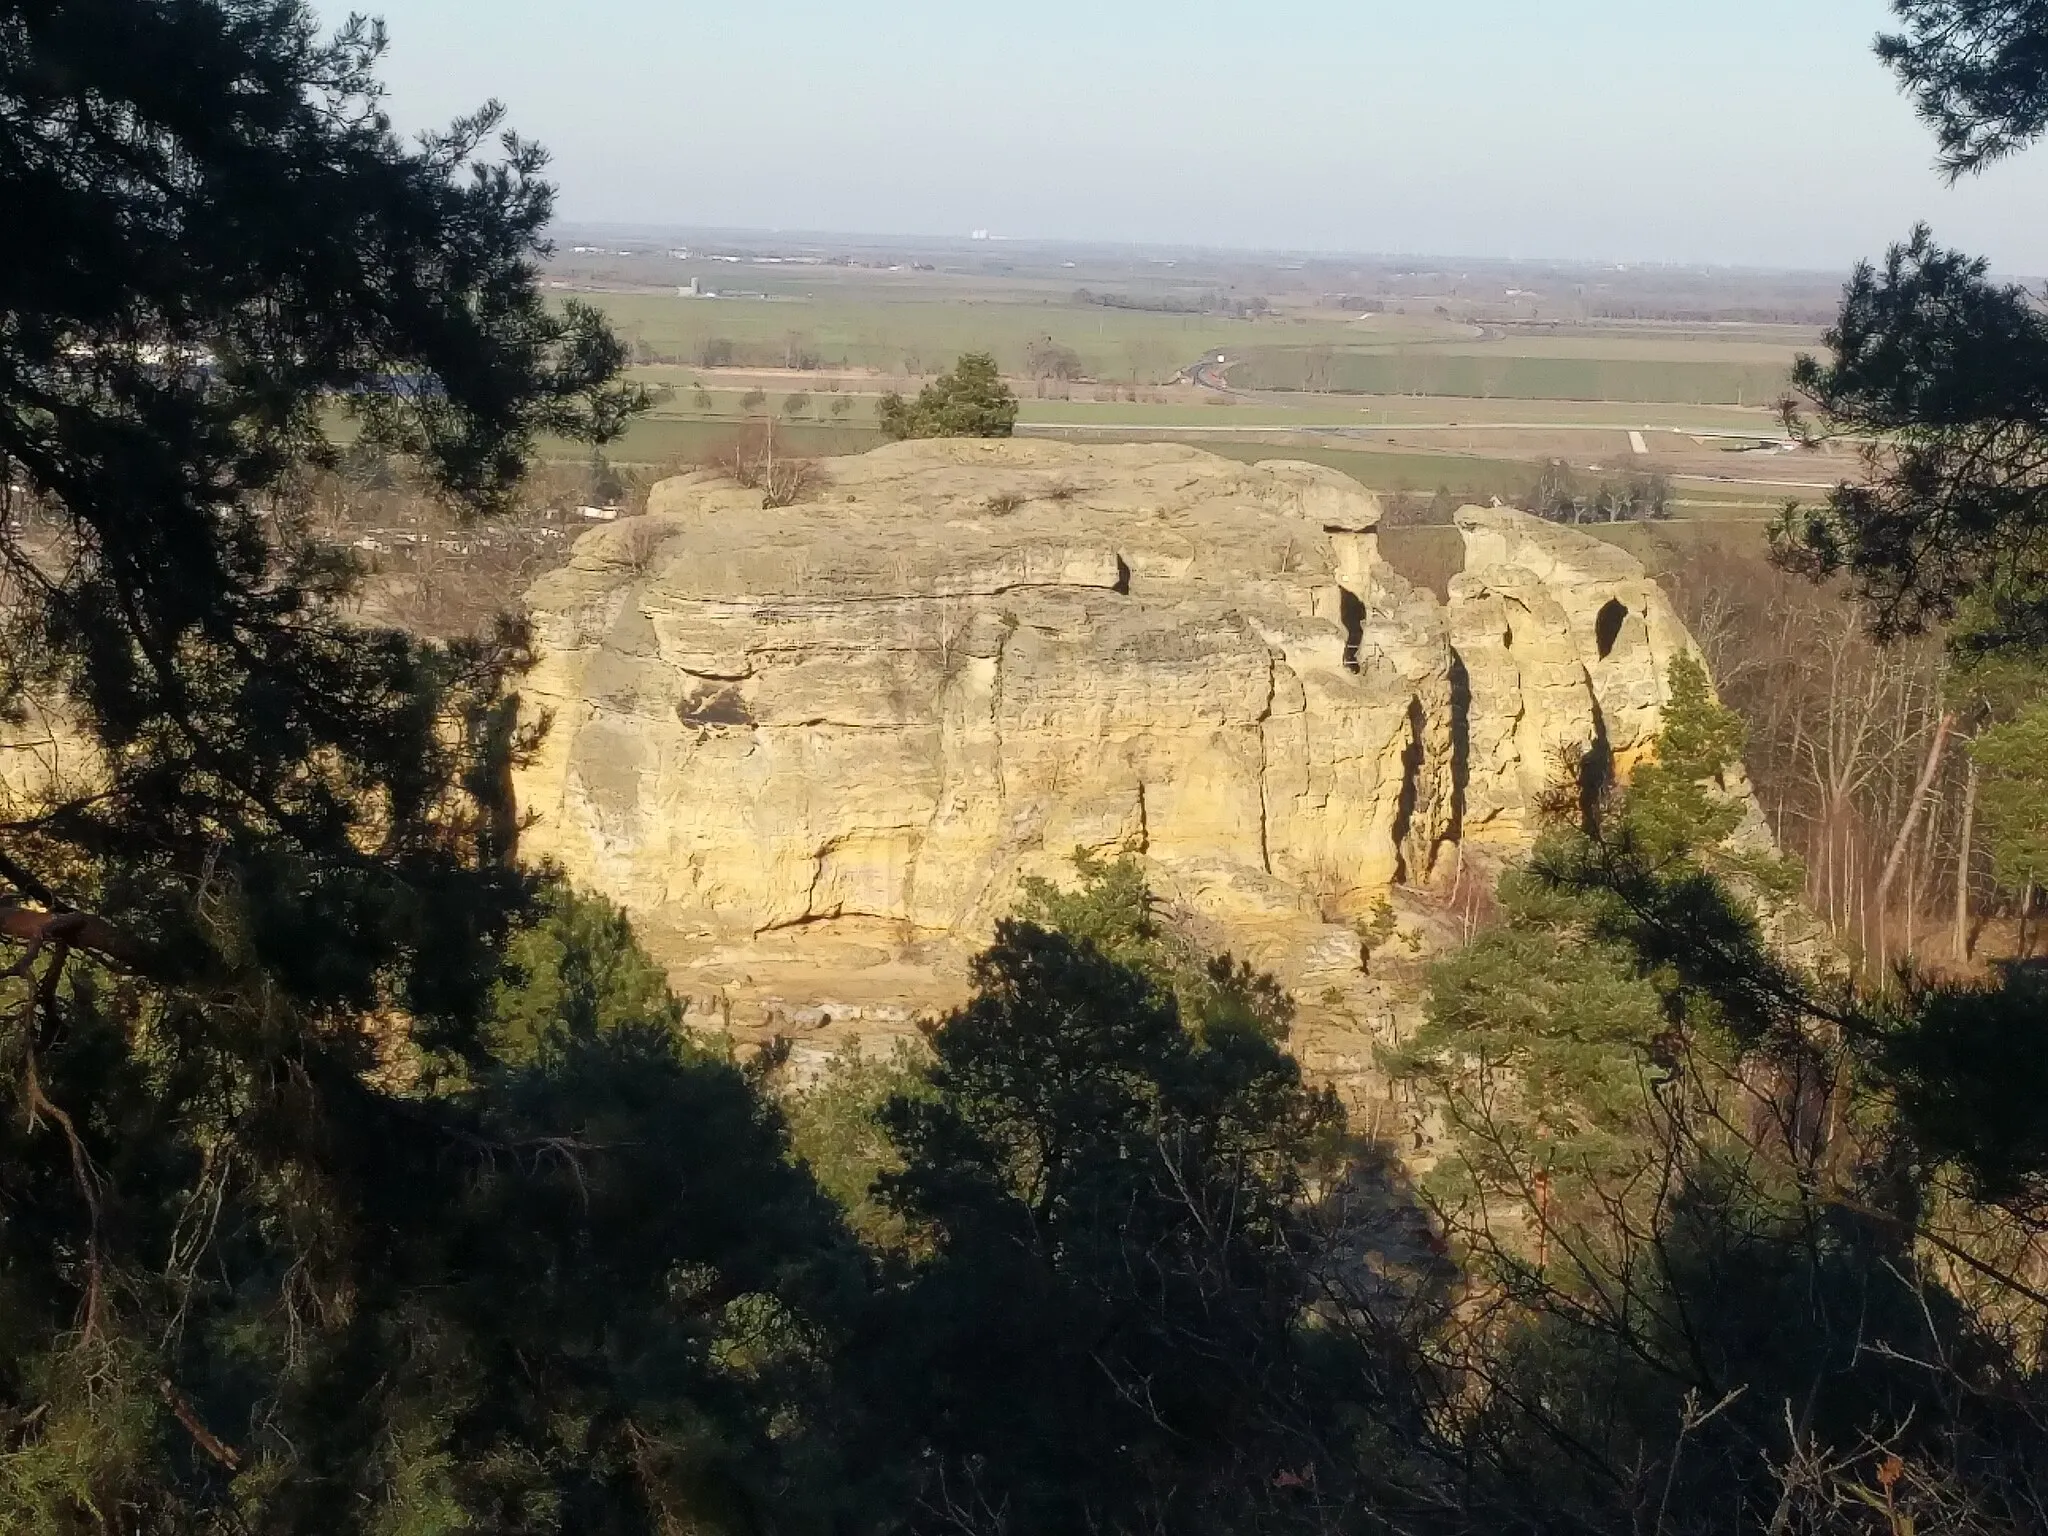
{"x": 1913, "y": 807}
{"x": 1963, "y": 866}
{"x": 1912, "y": 900}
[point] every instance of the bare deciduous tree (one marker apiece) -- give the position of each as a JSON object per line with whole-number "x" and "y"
{"x": 1849, "y": 749}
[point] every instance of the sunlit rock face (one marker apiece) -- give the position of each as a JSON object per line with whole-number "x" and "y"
{"x": 1565, "y": 647}
{"x": 815, "y": 748}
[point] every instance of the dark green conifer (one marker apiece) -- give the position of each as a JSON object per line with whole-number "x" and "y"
{"x": 969, "y": 401}
{"x": 319, "y": 1218}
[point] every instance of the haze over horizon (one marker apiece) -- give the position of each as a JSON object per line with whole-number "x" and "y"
{"x": 1587, "y": 130}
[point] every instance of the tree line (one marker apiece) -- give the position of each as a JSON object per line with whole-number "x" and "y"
{"x": 1561, "y": 497}
{"x": 1901, "y": 774}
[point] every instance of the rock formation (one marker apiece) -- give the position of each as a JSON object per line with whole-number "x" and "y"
{"x": 814, "y": 748}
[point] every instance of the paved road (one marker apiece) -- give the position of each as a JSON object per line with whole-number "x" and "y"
{"x": 1207, "y": 373}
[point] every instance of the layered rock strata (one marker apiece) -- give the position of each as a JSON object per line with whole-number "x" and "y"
{"x": 815, "y": 748}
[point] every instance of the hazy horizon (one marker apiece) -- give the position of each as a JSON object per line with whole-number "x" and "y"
{"x": 1590, "y": 131}
{"x": 908, "y": 240}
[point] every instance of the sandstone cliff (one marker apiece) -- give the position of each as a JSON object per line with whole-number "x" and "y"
{"x": 814, "y": 748}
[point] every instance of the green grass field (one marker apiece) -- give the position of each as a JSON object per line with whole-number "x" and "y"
{"x": 670, "y": 441}
{"x": 926, "y": 335}
{"x": 1351, "y": 411}
{"x": 1421, "y": 370}
{"x": 1598, "y": 341}
{"x": 849, "y": 407}
{"x": 1482, "y": 374}
{"x": 1463, "y": 475}
{"x": 678, "y": 431}
{"x": 1469, "y": 477}
{"x": 902, "y": 332}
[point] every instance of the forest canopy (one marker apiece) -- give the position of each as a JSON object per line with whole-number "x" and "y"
{"x": 357, "y": 1177}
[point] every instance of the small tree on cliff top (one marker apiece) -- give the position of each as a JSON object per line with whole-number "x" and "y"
{"x": 971, "y": 401}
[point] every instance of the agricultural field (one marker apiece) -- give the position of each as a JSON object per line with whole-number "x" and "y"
{"x": 1421, "y": 382}
{"x": 672, "y": 443}
{"x": 1476, "y": 460}
{"x": 887, "y": 334}
{"x": 1704, "y": 377}
{"x": 1740, "y": 366}
{"x": 1220, "y": 411}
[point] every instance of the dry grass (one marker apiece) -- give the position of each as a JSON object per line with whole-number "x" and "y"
{"x": 753, "y": 460}
{"x": 638, "y": 543}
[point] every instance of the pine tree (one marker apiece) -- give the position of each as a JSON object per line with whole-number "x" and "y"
{"x": 1674, "y": 1215}
{"x": 1105, "y": 1327}
{"x": 2013, "y": 803}
{"x": 969, "y": 401}
{"x": 1937, "y": 369}
{"x": 1550, "y": 1038}
{"x": 319, "y": 1217}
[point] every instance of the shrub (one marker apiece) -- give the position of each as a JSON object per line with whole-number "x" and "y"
{"x": 971, "y": 401}
{"x": 753, "y": 460}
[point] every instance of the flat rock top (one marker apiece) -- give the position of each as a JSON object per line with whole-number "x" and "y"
{"x": 966, "y": 517}
{"x": 1552, "y": 553}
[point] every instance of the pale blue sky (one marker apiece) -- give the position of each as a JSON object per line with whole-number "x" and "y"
{"x": 1748, "y": 131}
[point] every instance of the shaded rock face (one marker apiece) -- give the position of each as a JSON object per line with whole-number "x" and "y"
{"x": 814, "y": 749}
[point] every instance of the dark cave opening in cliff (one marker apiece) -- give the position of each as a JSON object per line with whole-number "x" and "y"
{"x": 1607, "y": 625}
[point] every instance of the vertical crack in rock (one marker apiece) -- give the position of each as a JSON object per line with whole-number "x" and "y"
{"x": 1412, "y": 757}
{"x": 1461, "y": 744}
{"x": 818, "y": 857}
{"x": 1265, "y": 764}
{"x": 995, "y": 712}
{"x": 1595, "y": 767}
